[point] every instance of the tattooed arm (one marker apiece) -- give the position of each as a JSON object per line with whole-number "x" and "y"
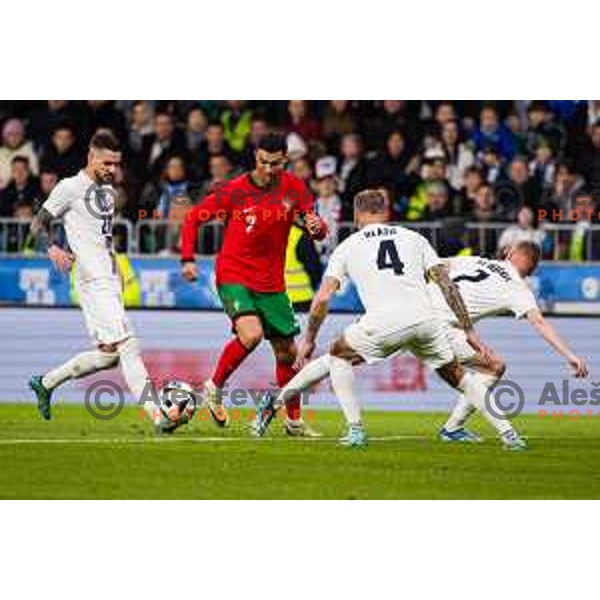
{"x": 318, "y": 312}
{"x": 56, "y": 253}
{"x": 440, "y": 275}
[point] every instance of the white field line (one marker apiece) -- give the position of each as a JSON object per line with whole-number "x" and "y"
{"x": 173, "y": 440}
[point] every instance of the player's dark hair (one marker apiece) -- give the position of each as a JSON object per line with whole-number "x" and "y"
{"x": 105, "y": 140}
{"x": 273, "y": 142}
{"x": 370, "y": 201}
{"x": 533, "y": 251}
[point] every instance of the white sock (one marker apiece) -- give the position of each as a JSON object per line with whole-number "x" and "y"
{"x": 342, "y": 380}
{"x": 310, "y": 374}
{"x": 79, "y": 366}
{"x": 462, "y": 409}
{"x": 475, "y": 389}
{"x": 135, "y": 374}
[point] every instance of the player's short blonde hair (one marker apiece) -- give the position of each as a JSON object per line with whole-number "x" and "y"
{"x": 371, "y": 201}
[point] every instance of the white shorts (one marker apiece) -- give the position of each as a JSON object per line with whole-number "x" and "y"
{"x": 377, "y": 338}
{"x": 101, "y": 301}
{"x": 463, "y": 351}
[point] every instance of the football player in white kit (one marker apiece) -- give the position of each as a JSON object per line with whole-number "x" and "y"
{"x": 489, "y": 288}
{"x": 85, "y": 202}
{"x": 389, "y": 265}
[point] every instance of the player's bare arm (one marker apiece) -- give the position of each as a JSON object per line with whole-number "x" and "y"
{"x": 318, "y": 312}
{"x": 60, "y": 257}
{"x": 554, "y": 339}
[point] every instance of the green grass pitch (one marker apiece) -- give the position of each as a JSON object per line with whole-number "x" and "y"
{"x": 76, "y": 456}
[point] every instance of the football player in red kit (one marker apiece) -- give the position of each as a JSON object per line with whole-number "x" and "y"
{"x": 258, "y": 209}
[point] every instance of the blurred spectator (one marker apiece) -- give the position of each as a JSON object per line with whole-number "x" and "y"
{"x": 522, "y": 231}
{"x": 391, "y": 168}
{"x": 195, "y": 132}
{"x": 301, "y": 122}
{"x": 542, "y": 129}
{"x": 213, "y": 144}
{"x": 302, "y": 168}
{"x": 63, "y": 157}
{"x": 338, "y": 121}
{"x": 296, "y": 147}
{"x": 394, "y": 115}
{"x": 258, "y": 129}
{"x": 236, "y": 119}
{"x": 102, "y": 114}
{"x": 521, "y": 189}
{"x": 220, "y": 170}
{"x": 44, "y": 122}
{"x": 14, "y": 144}
{"x": 352, "y": 173}
{"x": 23, "y": 187}
{"x": 567, "y": 185}
{"x": 459, "y": 156}
{"x": 303, "y": 269}
{"x": 141, "y": 124}
{"x": 328, "y": 203}
{"x": 48, "y": 179}
{"x": 588, "y": 162}
{"x": 473, "y": 182}
{"x": 543, "y": 164}
{"x": 515, "y": 126}
{"x": 492, "y": 134}
{"x": 491, "y": 164}
{"x": 583, "y": 245}
{"x": 437, "y": 201}
{"x": 483, "y": 240}
{"x": 158, "y": 147}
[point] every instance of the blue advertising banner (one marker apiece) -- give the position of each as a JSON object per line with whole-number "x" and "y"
{"x": 156, "y": 282}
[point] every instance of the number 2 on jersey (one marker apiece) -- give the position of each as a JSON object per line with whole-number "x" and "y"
{"x": 387, "y": 257}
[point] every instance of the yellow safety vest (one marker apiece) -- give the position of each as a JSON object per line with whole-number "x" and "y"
{"x": 297, "y": 281}
{"x": 132, "y": 292}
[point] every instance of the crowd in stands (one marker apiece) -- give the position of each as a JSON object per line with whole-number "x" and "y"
{"x": 524, "y": 164}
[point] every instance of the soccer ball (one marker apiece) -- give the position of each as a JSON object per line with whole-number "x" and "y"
{"x": 178, "y": 402}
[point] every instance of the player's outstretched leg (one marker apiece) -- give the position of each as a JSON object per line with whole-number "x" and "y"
{"x": 311, "y": 374}
{"x": 491, "y": 369}
{"x": 77, "y": 367}
{"x": 475, "y": 388}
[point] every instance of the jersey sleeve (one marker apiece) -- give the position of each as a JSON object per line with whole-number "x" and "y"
{"x": 430, "y": 256}
{"x": 301, "y": 195}
{"x": 59, "y": 200}
{"x": 521, "y": 299}
{"x": 338, "y": 264}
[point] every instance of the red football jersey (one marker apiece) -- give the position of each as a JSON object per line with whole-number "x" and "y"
{"x": 257, "y": 226}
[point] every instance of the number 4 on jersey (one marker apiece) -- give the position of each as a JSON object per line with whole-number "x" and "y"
{"x": 387, "y": 257}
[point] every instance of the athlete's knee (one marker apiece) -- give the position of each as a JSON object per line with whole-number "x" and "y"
{"x": 341, "y": 349}
{"x": 285, "y": 352}
{"x": 108, "y": 348}
{"x": 250, "y": 334}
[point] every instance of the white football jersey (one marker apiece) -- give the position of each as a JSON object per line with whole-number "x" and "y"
{"x": 488, "y": 287}
{"x": 88, "y": 212}
{"x": 387, "y": 263}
